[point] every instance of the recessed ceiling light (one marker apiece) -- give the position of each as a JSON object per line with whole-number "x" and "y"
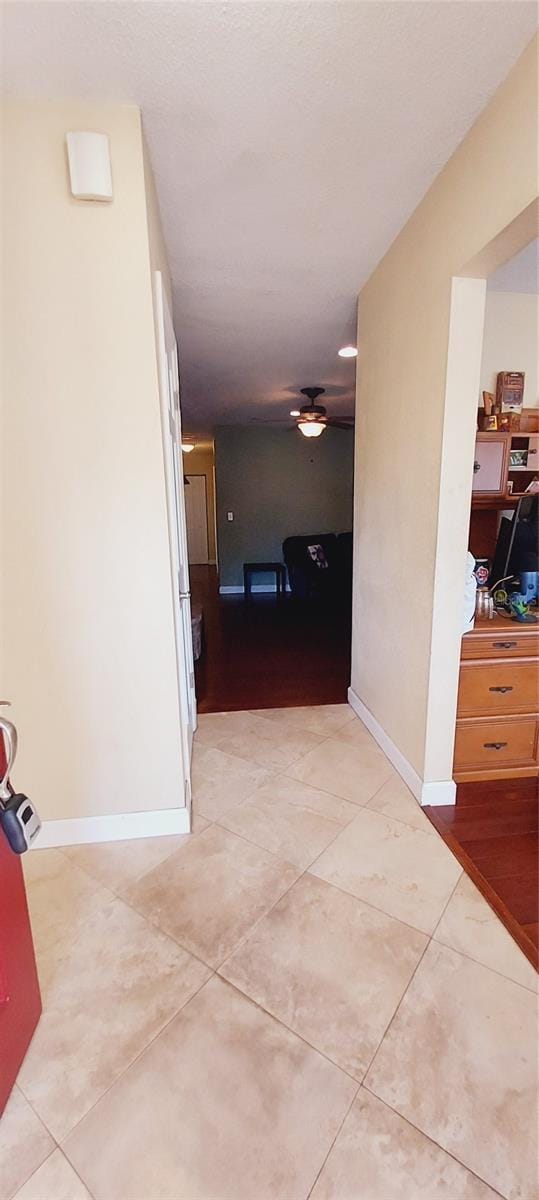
{"x": 348, "y": 352}
{"x": 294, "y": 412}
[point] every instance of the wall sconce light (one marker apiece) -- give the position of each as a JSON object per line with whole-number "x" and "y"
{"x": 90, "y": 175}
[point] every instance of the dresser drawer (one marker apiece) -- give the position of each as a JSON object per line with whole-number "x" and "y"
{"x": 488, "y": 689}
{"x": 513, "y": 642}
{"x": 490, "y": 745}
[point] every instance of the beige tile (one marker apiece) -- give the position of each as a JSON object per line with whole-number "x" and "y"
{"x": 118, "y": 864}
{"x": 401, "y": 870}
{"x": 24, "y": 1144}
{"x": 54, "y": 1180}
{"x": 395, "y": 800}
{"x": 220, "y": 781}
{"x": 330, "y": 967}
{"x": 106, "y": 992}
{"x": 379, "y": 1156}
{"x": 470, "y": 925}
{"x": 225, "y": 1104}
{"x": 60, "y": 897}
{"x": 255, "y": 739}
{"x": 291, "y": 819}
{"x": 323, "y": 719}
{"x": 357, "y": 734}
{"x": 459, "y": 1062}
{"x": 353, "y": 772}
{"x": 209, "y": 894}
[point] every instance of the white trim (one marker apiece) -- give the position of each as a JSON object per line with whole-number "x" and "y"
{"x": 75, "y": 831}
{"x": 442, "y": 792}
{"x": 237, "y": 589}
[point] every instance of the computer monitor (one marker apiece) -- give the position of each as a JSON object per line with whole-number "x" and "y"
{"x": 517, "y": 547}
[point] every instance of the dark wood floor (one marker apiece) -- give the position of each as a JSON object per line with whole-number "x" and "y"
{"x": 268, "y": 653}
{"x": 493, "y": 831}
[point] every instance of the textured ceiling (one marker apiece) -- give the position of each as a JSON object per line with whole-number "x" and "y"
{"x": 290, "y": 143}
{"x": 520, "y": 274}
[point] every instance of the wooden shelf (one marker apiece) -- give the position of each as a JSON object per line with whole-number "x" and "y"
{"x": 495, "y": 501}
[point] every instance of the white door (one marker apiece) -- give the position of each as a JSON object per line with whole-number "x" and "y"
{"x": 169, "y": 389}
{"x": 196, "y": 511}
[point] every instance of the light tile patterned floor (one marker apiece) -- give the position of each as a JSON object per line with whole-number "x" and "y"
{"x": 305, "y": 998}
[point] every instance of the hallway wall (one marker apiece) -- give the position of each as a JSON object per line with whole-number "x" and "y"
{"x": 89, "y": 651}
{"x": 278, "y": 483}
{"x": 407, "y": 523}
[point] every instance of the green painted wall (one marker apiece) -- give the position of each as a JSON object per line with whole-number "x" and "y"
{"x": 278, "y": 483}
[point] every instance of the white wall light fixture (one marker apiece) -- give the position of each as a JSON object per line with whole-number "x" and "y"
{"x": 311, "y": 429}
{"x": 90, "y": 173}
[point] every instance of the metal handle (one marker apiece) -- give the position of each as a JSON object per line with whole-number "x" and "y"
{"x": 494, "y": 745}
{"x": 503, "y": 690}
{"x": 10, "y": 742}
{"x": 503, "y": 645}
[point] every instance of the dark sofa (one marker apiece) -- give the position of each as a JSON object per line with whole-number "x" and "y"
{"x": 319, "y": 566}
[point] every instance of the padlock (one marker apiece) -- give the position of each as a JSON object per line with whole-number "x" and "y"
{"x": 20, "y": 822}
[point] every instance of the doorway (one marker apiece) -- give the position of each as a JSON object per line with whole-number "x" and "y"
{"x": 493, "y": 826}
{"x": 196, "y": 515}
{"x": 284, "y": 510}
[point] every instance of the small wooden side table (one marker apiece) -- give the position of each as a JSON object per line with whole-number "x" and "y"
{"x": 277, "y": 568}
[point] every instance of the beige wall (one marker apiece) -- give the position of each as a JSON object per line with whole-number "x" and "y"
{"x": 89, "y": 661}
{"x": 403, "y": 523}
{"x": 511, "y": 336}
{"x": 202, "y": 462}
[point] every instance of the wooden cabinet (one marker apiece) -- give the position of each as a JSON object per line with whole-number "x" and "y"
{"x": 490, "y": 464}
{"x": 498, "y": 702}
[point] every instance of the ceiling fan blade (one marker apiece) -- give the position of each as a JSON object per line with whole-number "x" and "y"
{"x": 339, "y": 424}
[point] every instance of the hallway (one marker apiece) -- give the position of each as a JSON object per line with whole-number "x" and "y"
{"x": 267, "y": 654}
{"x": 306, "y": 997}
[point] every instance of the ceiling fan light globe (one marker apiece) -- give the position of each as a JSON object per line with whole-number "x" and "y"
{"x": 311, "y": 429}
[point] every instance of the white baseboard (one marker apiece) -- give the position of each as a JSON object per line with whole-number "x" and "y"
{"x": 76, "y": 831}
{"x": 443, "y": 792}
{"x": 237, "y": 589}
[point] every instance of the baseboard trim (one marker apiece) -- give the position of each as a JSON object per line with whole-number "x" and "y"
{"x": 442, "y": 792}
{"x": 237, "y": 589}
{"x": 76, "y": 831}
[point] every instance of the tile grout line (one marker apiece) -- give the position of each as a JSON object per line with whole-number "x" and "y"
{"x": 432, "y": 1140}
{"x": 409, "y": 984}
{"x": 294, "y": 1033}
{"x": 42, "y": 1164}
{"x": 346, "y": 1115}
{"x": 139, "y": 1055}
{"x": 486, "y": 966}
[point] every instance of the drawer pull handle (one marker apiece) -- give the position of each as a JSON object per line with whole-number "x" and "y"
{"x": 494, "y": 745}
{"x": 503, "y": 690}
{"x": 503, "y": 645}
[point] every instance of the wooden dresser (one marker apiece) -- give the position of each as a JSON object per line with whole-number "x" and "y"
{"x": 497, "y": 733}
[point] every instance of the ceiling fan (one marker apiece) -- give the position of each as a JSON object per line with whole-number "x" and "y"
{"x": 312, "y": 418}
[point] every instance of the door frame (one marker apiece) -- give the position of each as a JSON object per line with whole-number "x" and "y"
{"x": 169, "y": 394}
{"x": 200, "y": 475}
